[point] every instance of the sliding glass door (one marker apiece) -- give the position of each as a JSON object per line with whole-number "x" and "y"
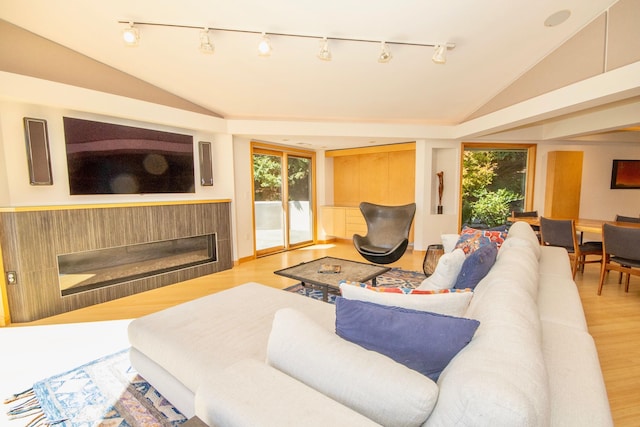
{"x": 283, "y": 198}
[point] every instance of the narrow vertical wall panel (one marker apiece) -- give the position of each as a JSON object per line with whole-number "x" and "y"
{"x": 37, "y": 142}
{"x": 402, "y": 178}
{"x": 206, "y": 170}
{"x": 564, "y": 182}
{"x": 346, "y": 181}
{"x": 374, "y": 178}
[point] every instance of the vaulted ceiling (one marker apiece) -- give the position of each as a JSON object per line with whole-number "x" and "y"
{"x": 496, "y": 42}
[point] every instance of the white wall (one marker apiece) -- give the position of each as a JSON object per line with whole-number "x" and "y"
{"x": 21, "y": 193}
{"x": 243, "y": 198}
{"x": 597, "y": 199}
{"x": 23, "y": 96}
{"x": 431, "y": 158}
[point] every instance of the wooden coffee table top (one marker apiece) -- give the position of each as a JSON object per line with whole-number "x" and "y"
{"x": 309, "y": 272}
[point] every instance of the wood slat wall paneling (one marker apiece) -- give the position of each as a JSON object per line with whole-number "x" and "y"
{"x": 32, "y": 239}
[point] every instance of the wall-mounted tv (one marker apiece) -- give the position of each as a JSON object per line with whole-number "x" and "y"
{"x": 106, "y": 158}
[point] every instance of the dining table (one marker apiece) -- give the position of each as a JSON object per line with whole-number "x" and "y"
{"x": 583, "y": 225}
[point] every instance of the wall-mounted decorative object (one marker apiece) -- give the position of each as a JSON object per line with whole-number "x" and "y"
{"x": 440, "y": 190}
{"x": 37, "y": 141}
{"x": 625, "y": 174}
{"x": 206, "y": 170}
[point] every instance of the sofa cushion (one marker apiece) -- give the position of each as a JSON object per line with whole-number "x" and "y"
{"x": 577, "y": 390}
{"x": 365, "y": 381}
{"x": 472, "y": 239}
{"x": 555, "y": 260}
{"x": 444, "y": 301}
{"x": 559, "y": 302}
{"x": 420, "y": 340}
{"x": 516, "y": 263}
{"x": 523, "y": 230}
{"x": 446, "y": 272}
{"x": 500, "y": 378}
{"x": 252, "y": 393}
{"x": 449, "y": 241}
{"x": 476, "y": 266}
{"x": 167, "y": 335}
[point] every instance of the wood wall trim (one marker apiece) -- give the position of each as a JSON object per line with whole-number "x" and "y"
{"x": 109, "y": 205}
{"x": 5, "y": 318}
{"x": 405, "y": 146}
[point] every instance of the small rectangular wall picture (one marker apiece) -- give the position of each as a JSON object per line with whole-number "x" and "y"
{"x": 37, "y": 142}
{"x": 625, "y": 174}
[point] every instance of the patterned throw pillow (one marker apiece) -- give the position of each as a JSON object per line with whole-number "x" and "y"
{"x": 452, "y": 302}
{"x": 472, "y": 239}
{"x": 401, "y": 290}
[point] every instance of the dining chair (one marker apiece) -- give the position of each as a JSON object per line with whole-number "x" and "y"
{"x": 562, "y": 233}
{"x": 525, "y": 214}
{"x": 621, "y": 252}
{"x": 622, "y": 218}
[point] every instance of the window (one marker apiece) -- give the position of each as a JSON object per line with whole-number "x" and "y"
{"x": 496, "y": 179}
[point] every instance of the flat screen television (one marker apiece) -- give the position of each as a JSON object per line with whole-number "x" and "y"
{"x": 106, "y": 158}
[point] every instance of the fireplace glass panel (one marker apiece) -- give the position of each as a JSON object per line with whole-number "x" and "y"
{"x": 84, "y": 271}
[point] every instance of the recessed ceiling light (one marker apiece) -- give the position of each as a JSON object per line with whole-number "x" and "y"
{"x": 557, "y": 18}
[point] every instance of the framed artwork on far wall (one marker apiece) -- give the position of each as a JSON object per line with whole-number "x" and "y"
{"x": 625, "y": 174}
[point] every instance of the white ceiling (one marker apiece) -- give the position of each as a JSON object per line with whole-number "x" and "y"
{"x": 496, "y": 42}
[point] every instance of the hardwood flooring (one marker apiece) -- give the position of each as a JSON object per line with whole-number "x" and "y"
{"x": 613, "y": 317}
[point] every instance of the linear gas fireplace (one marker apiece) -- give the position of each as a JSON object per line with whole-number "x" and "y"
{"x": 89, "y": 270}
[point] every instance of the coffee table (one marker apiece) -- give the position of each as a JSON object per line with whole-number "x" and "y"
{"x": 311, "y": 274}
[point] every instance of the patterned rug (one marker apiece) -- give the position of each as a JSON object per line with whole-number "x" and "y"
{"x": 106, "y": 392}
{"x": 394, "y": 278}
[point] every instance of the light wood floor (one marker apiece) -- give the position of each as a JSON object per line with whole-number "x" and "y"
{"x": 613, "y": 318}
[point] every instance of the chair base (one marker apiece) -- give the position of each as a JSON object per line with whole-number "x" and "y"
{"x": 386, "y": 258}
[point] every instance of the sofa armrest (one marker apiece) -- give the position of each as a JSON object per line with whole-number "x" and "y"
{"x": 252, "y": 393}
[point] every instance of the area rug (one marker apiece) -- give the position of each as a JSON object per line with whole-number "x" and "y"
{"x": 394, "y": 278}
{"x": 104, "y": 392}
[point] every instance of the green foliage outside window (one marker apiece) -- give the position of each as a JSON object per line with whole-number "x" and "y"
{"x": 267, "y": 178}
{"x": 493, "y": 184}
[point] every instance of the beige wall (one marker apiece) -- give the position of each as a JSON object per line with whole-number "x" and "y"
{"x": 26, "y": 53}
{"x": 609, "y": 42}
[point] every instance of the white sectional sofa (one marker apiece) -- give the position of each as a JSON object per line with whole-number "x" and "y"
{"x": 253, "y": 356}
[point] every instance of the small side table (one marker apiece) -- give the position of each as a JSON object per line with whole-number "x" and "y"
{"x": 434, "y": 252}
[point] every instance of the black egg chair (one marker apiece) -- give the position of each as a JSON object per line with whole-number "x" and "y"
{"x": 387, "y": 232}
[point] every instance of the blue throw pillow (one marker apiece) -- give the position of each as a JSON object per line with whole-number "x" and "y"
{"x": 423, "y": 341}
{"x": 476, "y": 266}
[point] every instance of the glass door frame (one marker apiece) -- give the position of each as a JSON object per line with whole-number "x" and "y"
{"x": 284, "y": 152}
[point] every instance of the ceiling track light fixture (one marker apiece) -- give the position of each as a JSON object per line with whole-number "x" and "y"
{"x": 132, "y": 36}
{"x": 440, "y": 54}
{"x": 205, "y": 42}
{"x": 385, "y": 53}
{"x": 264, "y": 47}
{"x": 325, "y": 53}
